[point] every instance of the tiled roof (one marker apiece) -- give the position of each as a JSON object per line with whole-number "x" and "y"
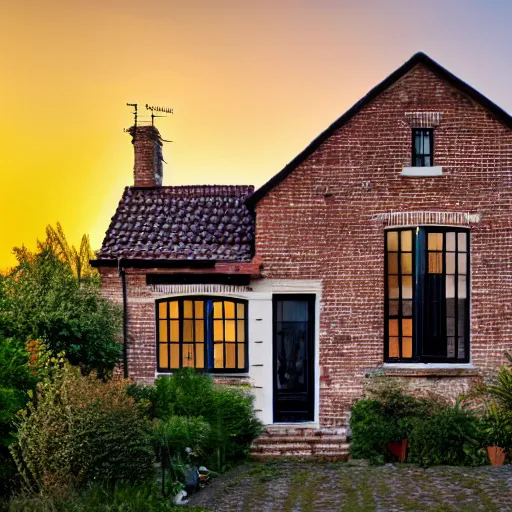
{"x": 208, "y": 222}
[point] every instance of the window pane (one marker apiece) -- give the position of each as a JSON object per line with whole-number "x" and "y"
{"x": 392, "y": 240}
{"x": 407, "y": 287}
{"x": 435, "y": 262}
{"x": 174, "y": 310}
{"x": 393, "y": 347}
{"x": 241, "y": 355}
{"x": 407, "y": 308}
{"x": 187, "y": 309}
{"x": 175, "y": 330}
{"x": 200, "y": 355}
{"x": 199, "y": 308}
{"x": 217, "y": 310}
{"x": 462, "y": 242}
{"x": 218, "y": 330}
{"x": 218, "y": 355}
{"x": 229, "y": 309}
{"x": 450, "y": 263}
{"x": 450, "y": 287}
{"x": 435, "y": 241}
{"x": 450, "y": 326}
{"x": 462, "y": 312}
{"x": 188, "y": 355}
{"x": 418, "y": 142}
{"x": 407, "y": 327}
{"x": 450, "y": 347}
{"x": 462, "y": 346}
{"x": 230, "y": 355}
{"x": 393, "y": 263}
{"x": 163, "y": 330}
{"x": 450, "y": 241}
{"x": 162, "y": 310}
{"x": 230, "y": 334}
{"x": 163, "y": 355}
{"x": 188, "y": 330}
{"x": 406, "y": 348}
{"x": 393, "y": 307}
{"x": 393, "y": 327}
{"x": 462, "y": 263}
{"x": 426, "y": 142}
{"x": 175, "y": 355}
{"x": 240, "y": 335}
{"x": 427, "y": 161}
{"x": 199, "y": 330}
{"x": 450, "y": 307}
{"x": 406, "y": 240}
{"x": 393, "y": 287}
{"x": 407, "y": 263}
{"x": 462, "y": 287}
{"x": 240, "y": 310}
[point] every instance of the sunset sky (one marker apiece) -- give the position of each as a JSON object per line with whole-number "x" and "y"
{"x": 251, "y": 84}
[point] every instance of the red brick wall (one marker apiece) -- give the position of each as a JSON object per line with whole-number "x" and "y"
{"x": 147, "y": 147}
{"x": 300, "y": 234}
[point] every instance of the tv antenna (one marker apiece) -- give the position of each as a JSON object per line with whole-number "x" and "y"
{"x": 135, "y": 112}
{"x": 164, "y": 110}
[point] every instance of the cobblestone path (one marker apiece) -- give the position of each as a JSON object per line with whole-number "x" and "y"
{"x": 304, "y": 487}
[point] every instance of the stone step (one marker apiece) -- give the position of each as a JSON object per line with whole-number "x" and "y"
{"x": 299, "y": 446}
{"x": 277, "y": 431}
{"x": 341, "y": 455}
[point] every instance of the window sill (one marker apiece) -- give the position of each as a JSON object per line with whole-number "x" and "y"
{"x": 422, "y": 172}
{"x": 426, "y": 370}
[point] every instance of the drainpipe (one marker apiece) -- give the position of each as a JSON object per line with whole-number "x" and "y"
{"x": 122, "y": 273}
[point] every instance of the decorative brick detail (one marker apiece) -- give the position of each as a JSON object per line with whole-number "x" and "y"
{"x": 425, "y": 218}
{"x": 423, "y": 119}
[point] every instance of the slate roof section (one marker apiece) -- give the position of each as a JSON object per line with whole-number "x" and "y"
{"x": 417, "y": 58}
{"x": 206, "y": 222}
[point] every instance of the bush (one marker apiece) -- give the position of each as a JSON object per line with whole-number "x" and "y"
{"x": 387, "y": 417}
{"x": 451, "y": 436}
{"x": 228, "y": 410}
{"x": 77, "y": 430}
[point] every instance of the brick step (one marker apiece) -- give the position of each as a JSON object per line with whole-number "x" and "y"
{"x": 300, "y": 439}
{"x": 341, "y": 455}
{"x": 303, "y": 432}
{"x": 299, "y": 447}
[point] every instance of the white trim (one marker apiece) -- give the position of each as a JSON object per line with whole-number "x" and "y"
{"x": 429, "y": 366}
{"x": 422, "y": 172}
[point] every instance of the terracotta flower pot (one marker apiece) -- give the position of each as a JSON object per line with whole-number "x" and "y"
{"x": 398, "y": 449}
{"x": 497, "y": 455}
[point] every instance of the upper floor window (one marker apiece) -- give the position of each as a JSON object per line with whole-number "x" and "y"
{"x": 427, "y": 294}
{"x": 208, "y": 333}
{"x": 422, "y": 147}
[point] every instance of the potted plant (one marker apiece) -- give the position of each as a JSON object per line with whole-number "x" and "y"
{"x": 498, "y": 428}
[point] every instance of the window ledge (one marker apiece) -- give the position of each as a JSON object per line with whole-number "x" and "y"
{"x": 426, "y": 370}
{"x": 422, "y": 172}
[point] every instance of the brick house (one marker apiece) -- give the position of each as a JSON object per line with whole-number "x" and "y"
{"x": 383, "y": 249}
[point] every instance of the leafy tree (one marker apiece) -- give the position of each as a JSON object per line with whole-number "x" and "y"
{"x": 53, "y": 295}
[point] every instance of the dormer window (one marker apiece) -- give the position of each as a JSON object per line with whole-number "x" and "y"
{"x": 422, "y": 147}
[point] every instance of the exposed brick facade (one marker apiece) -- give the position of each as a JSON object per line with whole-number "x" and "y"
{"x": 147, "y": 147}
{"x": 319, "y": 224}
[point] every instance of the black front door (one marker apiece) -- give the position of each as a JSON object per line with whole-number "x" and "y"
{"x": 294, "y": 330}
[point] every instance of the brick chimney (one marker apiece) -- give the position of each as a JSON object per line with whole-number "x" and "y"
{"x": 147, "y": 146}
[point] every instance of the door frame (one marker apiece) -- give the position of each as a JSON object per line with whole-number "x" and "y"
{"x": 311, "y": 298}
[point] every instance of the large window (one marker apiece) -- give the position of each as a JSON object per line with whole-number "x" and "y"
{"x": 208, "y": 333}
{"x": 427, "y": 294}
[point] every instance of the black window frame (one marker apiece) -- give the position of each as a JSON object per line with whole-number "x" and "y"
{"x": 422, "y": 156}
{"x": 208, "y": 319}
{"x": 419, "y": 291}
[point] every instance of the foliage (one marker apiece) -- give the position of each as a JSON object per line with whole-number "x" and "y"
{"x": 41, "y": 298}
{"x": 450, "y": 436}
{"x": 228, "y": 410}
{"x": 77, "y": 430}
{"x": 497, "y": 426}
{"x": 125, "y": 497}
{"x": 388, "y": 416}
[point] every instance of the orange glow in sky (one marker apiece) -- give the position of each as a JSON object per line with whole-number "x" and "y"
{"x": 251, "y": 84}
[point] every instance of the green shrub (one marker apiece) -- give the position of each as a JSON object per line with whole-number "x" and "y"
{"x": 77, "y": 430}
{"x": 228, "y": 410}
{"x": 451, "y": 436}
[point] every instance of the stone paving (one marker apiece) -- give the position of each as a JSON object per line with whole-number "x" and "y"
{"x": 289, "y": 486}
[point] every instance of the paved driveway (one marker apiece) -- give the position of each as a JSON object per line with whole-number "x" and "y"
{"x": 303, "y": 487}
